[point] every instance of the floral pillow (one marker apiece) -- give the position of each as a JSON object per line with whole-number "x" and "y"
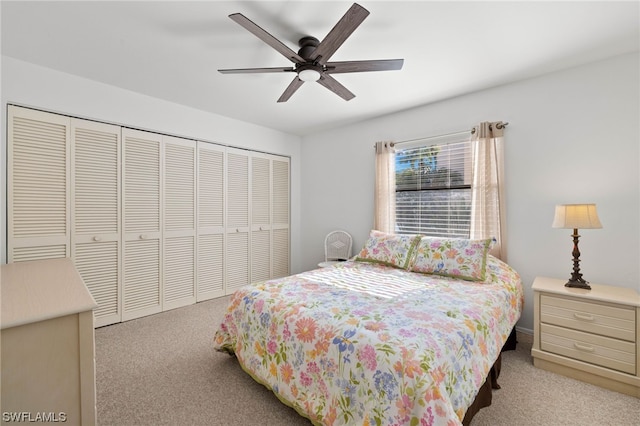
{"x": 389, "y": 249}
{"x": 452, "y": 257}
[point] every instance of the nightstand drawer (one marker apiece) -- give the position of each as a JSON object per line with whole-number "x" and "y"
{"x": 592, "y": 317}
{"x": 606, "y": 352}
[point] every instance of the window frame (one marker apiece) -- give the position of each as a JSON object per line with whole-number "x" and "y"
{"x": 461, "y": 162}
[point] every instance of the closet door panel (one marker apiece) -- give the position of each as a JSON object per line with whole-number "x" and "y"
{"x": 237, "y": 261}
{"x": 179, "y": 222}
{"x": 96, "y": 221}
{"x": 281, "y": 217}
{"x": 180, "y": 185}
{"x": 98, "y": 265}
{"x": 38, "y": 185}
{"x": 211, "y": 221}
{"x": 260, "y": 191}
{"x": 237, "y": 218}
{"x": 260, "y": 218}
{"x": 179, "y": 272}
{"x": 237, "y": 189}
{"x": 281, "y": 191}
{"x": 141, "y": 182}
{"x": 211, "y": 187}
{"x": 260, "y": 255}
{"x": 281, "y": 253}
{"x": 96, "y": 158}
{"x": 210, "y": 266}
{"x": 142, "y": 280}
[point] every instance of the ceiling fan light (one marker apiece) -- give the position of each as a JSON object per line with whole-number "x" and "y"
{"x": 309, "y": 75}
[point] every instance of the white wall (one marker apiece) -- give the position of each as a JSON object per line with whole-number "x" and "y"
{"x": 573, "y": 137}
{"x": 33, "y": 86}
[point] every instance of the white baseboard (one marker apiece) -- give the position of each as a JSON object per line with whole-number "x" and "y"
{"x": 524, "y": 335}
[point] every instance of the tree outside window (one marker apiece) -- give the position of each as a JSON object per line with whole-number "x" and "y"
{"x": 433, "y": 190}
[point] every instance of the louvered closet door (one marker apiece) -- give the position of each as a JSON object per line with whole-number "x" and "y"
{"x": 96, "y": 219}
{"x": 38, "y": 185}
{"x": 142, "y": 283}
{"x": 211, "y": 230}
{"x": 238, "y": 189}
{"x": 179, "y": 222}
{"x": 280, "y": 217}
{"x": 260, "y": 218}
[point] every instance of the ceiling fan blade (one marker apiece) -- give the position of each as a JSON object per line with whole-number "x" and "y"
{"x": 337, "y": 88}
{"x": 266, "y": 37}
{"x": 364, "y": 66}
{"x": 256, "y": 70}
{"x": 339, "y": 33}
{"x": 291, "y": 89}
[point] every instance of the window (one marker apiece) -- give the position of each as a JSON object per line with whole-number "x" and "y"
{"x": 433, "y": 189}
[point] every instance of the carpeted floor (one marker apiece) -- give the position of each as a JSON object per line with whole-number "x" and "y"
{"x": 162, "y": 370}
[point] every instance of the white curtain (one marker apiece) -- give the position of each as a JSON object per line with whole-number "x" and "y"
{"x": 385, "y": 188}
{"x": 487, "y": 192}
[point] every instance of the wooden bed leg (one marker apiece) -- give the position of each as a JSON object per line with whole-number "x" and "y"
{"x": 494, "y": 373}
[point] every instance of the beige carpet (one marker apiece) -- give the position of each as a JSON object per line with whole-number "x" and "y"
{"x": 162, "y": 370}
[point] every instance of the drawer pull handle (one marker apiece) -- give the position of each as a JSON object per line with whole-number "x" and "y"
{"x": 143, "y": 236}
{"x": 96, "y": 238}
{"x": 583, "y": 317}
{"x": 583, "y": 348}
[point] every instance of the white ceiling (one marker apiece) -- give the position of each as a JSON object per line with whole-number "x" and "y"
{"x": 172, "y": 50}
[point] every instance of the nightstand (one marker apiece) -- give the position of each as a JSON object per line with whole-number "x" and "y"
{"x": 48, "y": 344}
{"x": 589, "y": 335}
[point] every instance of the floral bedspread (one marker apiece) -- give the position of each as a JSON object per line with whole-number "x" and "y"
{"x": 363, "y": 344}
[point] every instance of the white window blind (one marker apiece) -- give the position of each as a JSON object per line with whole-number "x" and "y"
{"x": 433, "y": 189}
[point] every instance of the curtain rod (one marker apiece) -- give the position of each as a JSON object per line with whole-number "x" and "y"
{"x": 461, "y": 132}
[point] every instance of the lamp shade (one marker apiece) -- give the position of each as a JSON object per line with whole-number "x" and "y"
{"x": 576, "y": 216}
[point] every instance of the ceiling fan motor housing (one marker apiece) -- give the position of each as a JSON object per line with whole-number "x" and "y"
{"x": 307, "y": 45}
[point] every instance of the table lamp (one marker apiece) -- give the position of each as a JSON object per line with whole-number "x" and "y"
{"x": 576, "y": 216}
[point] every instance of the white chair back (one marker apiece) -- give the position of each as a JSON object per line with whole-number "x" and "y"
{"x": 337, "y": 246}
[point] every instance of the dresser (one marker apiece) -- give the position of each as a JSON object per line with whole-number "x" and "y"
{"x": 589, "y": 335}
{"x": 47, "y": 339}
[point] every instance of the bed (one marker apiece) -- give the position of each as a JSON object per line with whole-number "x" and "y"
{"x": 410, "y": 331}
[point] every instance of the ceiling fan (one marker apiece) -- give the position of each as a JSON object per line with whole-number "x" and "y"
{"x": 311, "y": 63}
